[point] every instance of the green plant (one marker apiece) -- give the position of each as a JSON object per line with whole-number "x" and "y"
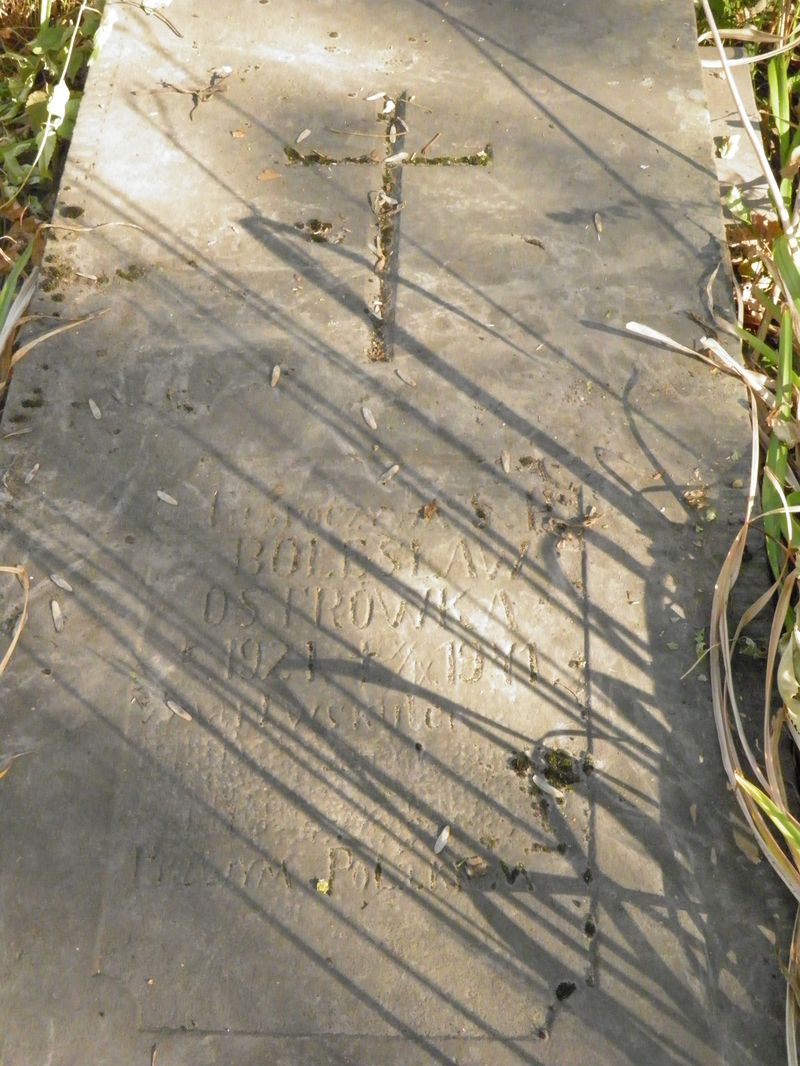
{"x": 41, "y": 76}
{"x": 44, "y": 50}
{"x": 727, "y": 12}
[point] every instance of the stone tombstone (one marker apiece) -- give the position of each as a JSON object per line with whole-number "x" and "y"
{"x": 364, "y": 738}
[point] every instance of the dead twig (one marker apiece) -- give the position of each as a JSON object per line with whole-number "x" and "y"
{"x": 200, "y": 95}
{"x": 153, "y": 11}
{"x": 431, "y": 142}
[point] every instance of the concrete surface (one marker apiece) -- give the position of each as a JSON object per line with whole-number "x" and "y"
{"x": 366, "y": 660}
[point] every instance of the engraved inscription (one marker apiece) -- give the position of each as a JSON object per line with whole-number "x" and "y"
{"x": 344, "y": 618}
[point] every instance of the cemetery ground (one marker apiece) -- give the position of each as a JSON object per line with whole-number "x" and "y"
{"x": 367, "y": 552}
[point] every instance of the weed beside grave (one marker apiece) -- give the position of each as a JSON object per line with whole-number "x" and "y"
{"x": 46, "y": 49}
{"x": 766, "y": 256}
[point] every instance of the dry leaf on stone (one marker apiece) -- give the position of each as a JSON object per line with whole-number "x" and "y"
{"x": 166, "y": 498}
{"x": 178, "y": 710}
{"x": 598, "y": 224}
{"x": 476, "y": 866}
{"x": 534, "y": 241}
{"x": 238, "y": 135}
{"x": 276, "y": 376}
{"x": 429, "y": 510}
{"x": 268, "y": 175}
{"x": 697, "y": 498}
{"x": 398, "y": 157}
{"x": 726, "y": 147}
{"x": 369, "y": 418}
{"x": 58, "y": 615}
{"x": 505, "y": 459}
{"x": 441, "y": 840}
{"x": 96, "y": 413}
{"x": 61, "y": 582}
{"x": 381, "y": 199}
{"x": 390, "y": 473}
{"x": 34, "y": 470}
{"x": 302, "y": 136}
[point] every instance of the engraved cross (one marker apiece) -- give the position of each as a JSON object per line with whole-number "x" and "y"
{"x": 386, "y": 204}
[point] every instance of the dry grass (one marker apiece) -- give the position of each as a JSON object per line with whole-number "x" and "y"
{"x": 760, "y": 773}
{"x": 16, "y": 13}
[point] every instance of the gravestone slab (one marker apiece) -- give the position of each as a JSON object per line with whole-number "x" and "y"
{"x": 438, "y": 571}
